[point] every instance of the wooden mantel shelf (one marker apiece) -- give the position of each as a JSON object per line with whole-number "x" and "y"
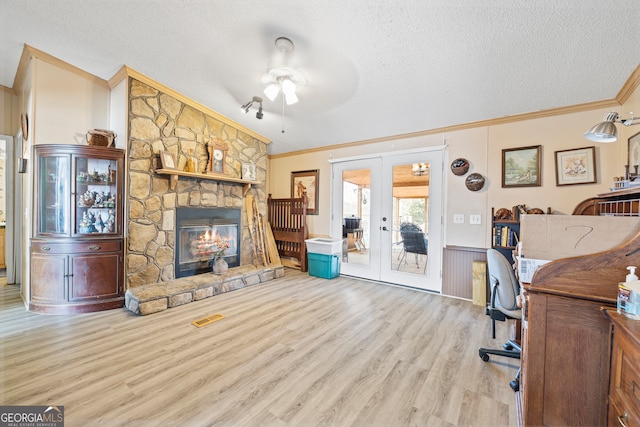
{"x": 175, "y": 174}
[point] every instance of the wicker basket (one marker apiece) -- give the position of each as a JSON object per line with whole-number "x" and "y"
{"x": 101, "y": 137}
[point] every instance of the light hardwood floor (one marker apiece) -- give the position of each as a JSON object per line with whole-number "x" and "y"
{"x": 296, "y": 351}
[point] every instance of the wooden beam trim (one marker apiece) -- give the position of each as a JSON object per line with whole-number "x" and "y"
{"x": 130, "y": 72}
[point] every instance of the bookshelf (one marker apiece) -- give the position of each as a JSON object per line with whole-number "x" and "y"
{"x": 505, "y": 231}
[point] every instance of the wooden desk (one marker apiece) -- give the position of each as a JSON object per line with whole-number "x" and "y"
{"x": 624, "y": 384}
{"x": 566, "y": 339}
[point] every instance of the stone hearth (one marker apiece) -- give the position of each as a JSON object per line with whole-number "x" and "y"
{"x": 155, "y": 297}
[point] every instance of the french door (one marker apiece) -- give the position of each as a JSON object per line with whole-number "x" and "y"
{"x": 388, "y": 209}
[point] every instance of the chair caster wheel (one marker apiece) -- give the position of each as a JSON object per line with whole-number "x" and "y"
{"x": 484, "y": 357}
{"x": 507, "y": 346}
{"x": 515, "y": 385}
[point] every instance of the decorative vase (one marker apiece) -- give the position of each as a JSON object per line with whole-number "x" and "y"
{"x": 220, "y": 266}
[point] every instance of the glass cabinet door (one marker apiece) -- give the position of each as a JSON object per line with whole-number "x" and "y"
{"x": 95, "y": 196}
{"x": 53, "y": 195}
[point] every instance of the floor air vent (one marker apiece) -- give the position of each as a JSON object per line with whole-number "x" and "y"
{"x": 207, "y": 320}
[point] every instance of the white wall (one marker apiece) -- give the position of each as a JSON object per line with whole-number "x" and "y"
{"x": 67, "y": 105}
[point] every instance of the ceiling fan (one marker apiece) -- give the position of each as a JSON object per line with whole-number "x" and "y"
{"x": 280, "y": 76}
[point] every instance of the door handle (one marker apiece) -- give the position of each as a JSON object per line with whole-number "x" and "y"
{"x": 383, "y": 228}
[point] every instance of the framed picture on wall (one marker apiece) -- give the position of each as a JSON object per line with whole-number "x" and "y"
{"x": 521, "y": 167}
{"x": 306, "y": 181}
{"x": 576, "y": 166}
{"x": 633, "y": 153}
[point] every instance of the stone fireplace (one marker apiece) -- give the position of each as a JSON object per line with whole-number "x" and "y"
{"x": 161, "y": 122}
{"x": 197, "y": 232}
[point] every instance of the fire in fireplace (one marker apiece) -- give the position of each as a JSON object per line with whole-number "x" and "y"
{"x": 199, "y": 233}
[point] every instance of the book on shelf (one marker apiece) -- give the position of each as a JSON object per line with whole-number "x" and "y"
{"x": 504, "y": 236}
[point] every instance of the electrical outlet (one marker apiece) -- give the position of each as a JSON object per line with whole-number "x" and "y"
{"x": 458, "y": 219}
{"x": 475, "y": 219}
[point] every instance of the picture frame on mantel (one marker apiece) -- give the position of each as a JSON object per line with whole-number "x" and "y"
{"x": 249, "y": 171}
{"x": 521, "y": 167}
{"x": 302, "y": 181}
{"x": 576, "y": 166}
{"x": 167, "y": 161}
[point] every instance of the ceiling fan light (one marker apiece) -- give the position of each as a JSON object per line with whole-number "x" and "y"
{"x": 288, "y": 86}
{"x": 291, "y": 98}
{"x": 289, "y": 90}
{"x": 272, "y": 91}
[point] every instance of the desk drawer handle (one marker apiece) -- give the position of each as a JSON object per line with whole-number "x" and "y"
{"x": 94, "y": 247}
{"x": 46, "y": 248}
{"x": 622, "y": 419}
{"x": 634, "y": 390}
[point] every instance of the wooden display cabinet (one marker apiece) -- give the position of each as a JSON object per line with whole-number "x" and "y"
{"x": 77, "y": 249}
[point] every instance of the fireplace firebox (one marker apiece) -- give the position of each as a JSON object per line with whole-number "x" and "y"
{"x": 199, "y": 233}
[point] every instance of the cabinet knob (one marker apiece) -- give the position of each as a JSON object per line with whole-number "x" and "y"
{"x": 46, "y": 248}
{"x": 94, "y": 247}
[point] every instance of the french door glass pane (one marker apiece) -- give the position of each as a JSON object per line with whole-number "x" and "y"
{"x": 410, "y": 198}
{"x": 356, "y": 214}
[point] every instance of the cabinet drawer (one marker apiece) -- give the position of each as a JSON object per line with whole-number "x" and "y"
{"x": 619, "y": 415}
{"x": 76, "y": 247}
{"x": 627, "y": 381}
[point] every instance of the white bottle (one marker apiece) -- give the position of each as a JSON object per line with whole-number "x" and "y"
{"x": 629, "y": 295}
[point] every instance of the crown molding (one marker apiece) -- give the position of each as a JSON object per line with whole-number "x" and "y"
{"x": 463, "y": 126}
{"x": 30, "y": 52}
{"x": 629, "y": 87}
{"x": 7, "y": 90}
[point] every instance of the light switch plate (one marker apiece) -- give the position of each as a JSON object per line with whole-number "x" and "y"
{"x": 458, "y": 218}
{"x": 475, "y": 219}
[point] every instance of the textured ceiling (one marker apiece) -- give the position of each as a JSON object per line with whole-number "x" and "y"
{"x": 375, "y": 68}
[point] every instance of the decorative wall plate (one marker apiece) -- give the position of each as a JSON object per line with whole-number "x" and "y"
{"x": 460, "y": 166}
{"x": 474, "y": 182}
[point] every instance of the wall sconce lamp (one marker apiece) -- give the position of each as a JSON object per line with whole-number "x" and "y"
{"x": 606, "y": 131}
{"x": 247, "y": 106}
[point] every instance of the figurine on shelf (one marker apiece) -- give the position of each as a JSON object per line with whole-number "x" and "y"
{"x": 83, "y": 227}
{"x": 92, "y": 219}
{"x": 86, "y": 199}
{"x": 99, "y": 199}
{"x": 99, "y": 225}
{"x": 191, "y": 164}
{"x": 111, "y": 222}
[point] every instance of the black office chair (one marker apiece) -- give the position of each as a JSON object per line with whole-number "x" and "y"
{"x": 504, "y": 290}
{"x": 414, "y": 242}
